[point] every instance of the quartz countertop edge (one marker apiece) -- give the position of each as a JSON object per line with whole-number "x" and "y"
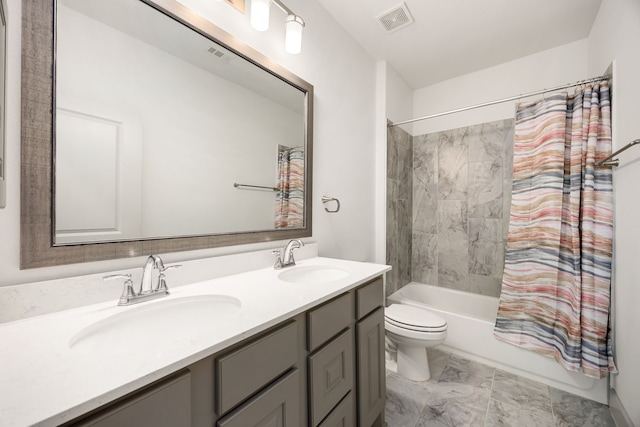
{"x": 46, "y": 383}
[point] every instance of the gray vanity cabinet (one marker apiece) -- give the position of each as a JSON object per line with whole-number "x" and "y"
{"x": 321, "y": 368}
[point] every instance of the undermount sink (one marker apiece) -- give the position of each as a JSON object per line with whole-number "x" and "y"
{"x": 151, "y": 326}
{"x": 313, "y": 274}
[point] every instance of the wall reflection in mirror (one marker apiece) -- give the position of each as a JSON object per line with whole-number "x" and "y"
{"x": 154, "y": 125}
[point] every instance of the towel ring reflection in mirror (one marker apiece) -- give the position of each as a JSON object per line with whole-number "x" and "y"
{"x": 327, "y": 199}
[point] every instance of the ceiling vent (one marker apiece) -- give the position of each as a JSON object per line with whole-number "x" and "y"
{"x": 219, "y": 53}
{"x": 396, "y": 18}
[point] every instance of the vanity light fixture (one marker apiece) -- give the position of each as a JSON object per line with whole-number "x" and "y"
{"x": 260, "y": 14}
{"x": 293, "y": 23}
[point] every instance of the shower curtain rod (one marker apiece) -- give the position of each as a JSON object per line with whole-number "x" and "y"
{"x": 500, "y": 101}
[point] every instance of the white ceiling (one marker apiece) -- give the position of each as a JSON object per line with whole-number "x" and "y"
{"x": 454, "y": 37}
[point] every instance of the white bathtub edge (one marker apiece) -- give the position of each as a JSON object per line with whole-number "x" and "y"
{"x": 598, "y": 393}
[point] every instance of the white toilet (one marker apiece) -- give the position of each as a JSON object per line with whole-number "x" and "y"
{"x": 412, "y": 330}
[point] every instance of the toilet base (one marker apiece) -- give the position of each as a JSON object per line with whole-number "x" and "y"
{"x": 413, "y": 363}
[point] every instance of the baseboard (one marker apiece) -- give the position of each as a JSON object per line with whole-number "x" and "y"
{"x": 618, "y": 413}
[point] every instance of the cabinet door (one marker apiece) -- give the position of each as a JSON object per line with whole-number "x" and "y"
{"x": 277, "y": 406}
{"x": 342, "y": 415}
{"x": 167, "y": 404}
{"x": 330, "y": 375}
{"x": 326, "y": 321}
{"x": 369, "y": 297}
{"x": 371, "y": 370}
{"x": 249, "y": 368}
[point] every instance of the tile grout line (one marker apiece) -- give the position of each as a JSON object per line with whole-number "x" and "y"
{"x": 486, "y": 414}
{"x": 553, "y": 413}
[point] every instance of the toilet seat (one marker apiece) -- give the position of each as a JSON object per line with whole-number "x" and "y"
{"x": 414, "y": 319}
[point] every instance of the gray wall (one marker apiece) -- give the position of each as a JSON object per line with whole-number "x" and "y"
{"x": 459, "y": 207}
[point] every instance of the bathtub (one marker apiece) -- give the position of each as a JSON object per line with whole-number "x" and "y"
{"x": 471, "y": 317}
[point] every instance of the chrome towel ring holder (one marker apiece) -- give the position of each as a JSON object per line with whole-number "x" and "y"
{"x": 327, "y": 199}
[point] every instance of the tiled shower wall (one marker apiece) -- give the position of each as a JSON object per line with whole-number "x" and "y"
{"x": 399, "y": 196}
{"x": 459, "y": 204}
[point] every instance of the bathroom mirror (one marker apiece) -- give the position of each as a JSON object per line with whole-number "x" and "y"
{"x": 146, "y": 129}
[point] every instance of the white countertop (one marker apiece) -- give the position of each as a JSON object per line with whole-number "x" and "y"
{"x": 44, "y": 382}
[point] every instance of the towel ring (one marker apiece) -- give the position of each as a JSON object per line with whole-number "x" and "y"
{"x": 327, "y": 199}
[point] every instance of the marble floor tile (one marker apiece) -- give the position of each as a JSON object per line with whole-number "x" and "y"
{"x": 455, "y": 404}
{"x": 571, "y": 410}
{"x": 460, "y": 377}
{"x": 466, "y": 393}
{"x": 502, "y": 414}
{"x": 405, "y": 401}
{"x": 520, "y": 392}
{"x": 471, "y": 367}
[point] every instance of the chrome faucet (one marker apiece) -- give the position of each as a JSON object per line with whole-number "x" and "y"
{"x": 146, "y": 291}
{"x": 287, "y": 260}
{"x": 153, "y": 262}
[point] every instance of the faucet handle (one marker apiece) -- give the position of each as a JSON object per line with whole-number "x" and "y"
{"x": 162, "y": 282}
{"x": 127, "y": 291}
{"x": 278, "y": 264}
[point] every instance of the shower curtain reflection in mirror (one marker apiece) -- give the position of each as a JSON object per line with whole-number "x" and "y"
{"x": 290, "y": 196}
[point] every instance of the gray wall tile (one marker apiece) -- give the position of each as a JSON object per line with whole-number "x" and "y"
{"x": 453, "y": 230}
{"x": 449, "y": 196}
{"x": 425, "y": 207}
{"x": 461, "y": 200}
{"x": 424, "y": 265}
{"x": 453, "y": 271}
{"x": 453, "y": 153}
{"x": 399, "y": 207}
{"x": 485, "y": 189}
{"x": 425, "y": 159}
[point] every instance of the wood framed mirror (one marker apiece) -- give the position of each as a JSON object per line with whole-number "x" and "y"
{"x": 75, "y": 209}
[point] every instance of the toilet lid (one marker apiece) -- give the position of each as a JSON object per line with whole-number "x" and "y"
{"x": 414, "y": 318}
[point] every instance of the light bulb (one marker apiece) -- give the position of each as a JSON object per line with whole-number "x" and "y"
{"x": 293, "y": 37}
{"x": 260, "y": 14}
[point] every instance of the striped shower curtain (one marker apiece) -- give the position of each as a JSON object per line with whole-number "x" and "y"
{"x": 290, "y": 196}
{"x": 556, "y": 285}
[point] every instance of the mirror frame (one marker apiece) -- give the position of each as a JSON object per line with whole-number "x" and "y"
{"x": 37, "y": 248}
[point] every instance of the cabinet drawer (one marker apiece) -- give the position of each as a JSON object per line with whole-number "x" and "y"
{"x": 277, "y": 406}
{"x": 371, "y": 370}
{"x": 330, "y": 376}
{"x": 369, "y": 297}
{"x": 342, "y": 415}
{"x": 165, "y": 404}
{"x": 326, "y": 321}
{"x": 251, "y": 367}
